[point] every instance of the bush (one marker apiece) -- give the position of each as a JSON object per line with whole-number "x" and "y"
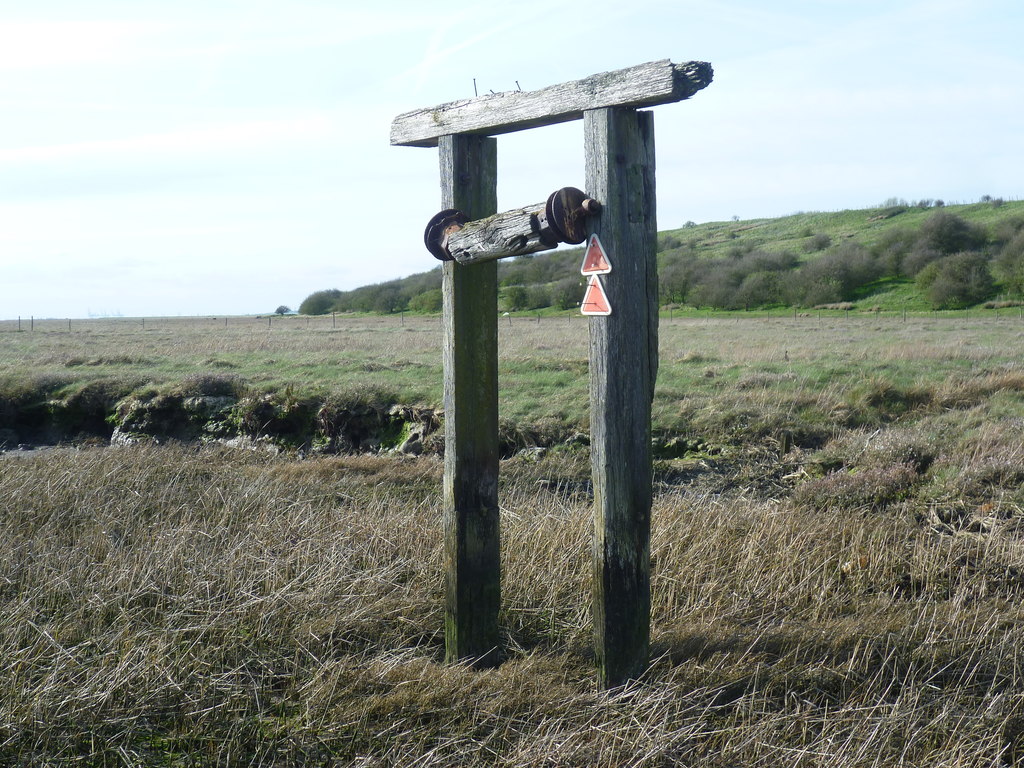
{"x": 717, "y": 286}
{"x": 387, "y": 299}
{"x": 1007, "y": 229}
{"x": 760, "y": 289}
{"x": 428, "y": 301}
{"x": 920, "y": 256}
{"x": 835, "y": 276}
{"x": 1009, "y": 264}
{"x": 723, "y": 283}
{"x": 538, "y": 297}
{"x": 957, "y": 281}
{"x": 818, "y": 242}
{"x": 675, "y": 279}
{"x": 893, "y": 247}
{"x": 567, "y": 293}
{"x": 948, "y": 234}
{"x": 319, "y": 302}
{"x": 514, "y": 298}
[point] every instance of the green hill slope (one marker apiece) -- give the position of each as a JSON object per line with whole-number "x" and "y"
{"x": 917, "y": 256}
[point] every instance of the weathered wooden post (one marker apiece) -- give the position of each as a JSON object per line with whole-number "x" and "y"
{"x": 469, "y": 236}
{"x": 469, "y": 174}
{"x": 623, "y": 366}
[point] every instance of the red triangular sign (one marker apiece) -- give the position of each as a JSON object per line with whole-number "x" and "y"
{"x": 595, "y": 261}
{"x": 595, "y": 300}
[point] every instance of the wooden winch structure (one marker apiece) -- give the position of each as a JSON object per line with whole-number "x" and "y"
{"x": 468, "y": 235}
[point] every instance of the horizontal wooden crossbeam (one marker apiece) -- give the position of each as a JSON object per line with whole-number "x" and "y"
{"x": 645, "y": 85}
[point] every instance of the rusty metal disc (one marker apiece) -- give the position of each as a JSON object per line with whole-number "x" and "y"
{"x": 565, "y": 214}
{"x": 435, "y": 236}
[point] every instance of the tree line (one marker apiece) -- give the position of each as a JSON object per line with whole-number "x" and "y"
{"x": 949, "y": 260}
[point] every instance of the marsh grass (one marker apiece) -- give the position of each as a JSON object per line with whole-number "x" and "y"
{"x": 721, "y": 379}
{"x": 855, "y": 601}
{"x": 176, "y": 606}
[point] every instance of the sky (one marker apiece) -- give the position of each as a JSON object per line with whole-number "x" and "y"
{"x": 216, "y": 157}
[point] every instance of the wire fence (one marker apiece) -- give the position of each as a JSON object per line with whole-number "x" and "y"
{"x": 181, "y": 323}
{"x": 341, "y": 321}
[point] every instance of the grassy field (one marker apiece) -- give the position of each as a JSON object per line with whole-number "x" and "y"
{"x": 784, "y": 370}
{"x": 855, "y": 601}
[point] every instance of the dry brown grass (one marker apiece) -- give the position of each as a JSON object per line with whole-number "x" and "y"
{"x": 175, "y": 606}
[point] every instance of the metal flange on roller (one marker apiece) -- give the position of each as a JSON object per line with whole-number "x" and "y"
{"x": 439, "y": 228}
{"x": 567, "y": 210}
{"x": 561, "y": 219}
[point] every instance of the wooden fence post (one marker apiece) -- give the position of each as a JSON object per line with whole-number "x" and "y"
{"x": 623, "y": 366}
{"x": 469, "y": 172}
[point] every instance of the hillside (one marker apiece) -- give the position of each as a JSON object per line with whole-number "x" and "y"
{"x": 916, "y": 256}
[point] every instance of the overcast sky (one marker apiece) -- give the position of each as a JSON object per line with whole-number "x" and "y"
{"x": 223, "y": 157}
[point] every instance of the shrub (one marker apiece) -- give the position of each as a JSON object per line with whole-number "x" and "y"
{"x": 721, "y": 282}
{"x": 1007, "y": 229}
{"x": 948, "y": 234}
{"x": 319, "y": 302}
{"x": 956, "y": 281}
{"x": 537, "y": 297}
{"x": 892, "y": 247}
{"x": 920, "y": 256}
{"x": 813, "y": 287}
{"x": 760, "y": 289}
{"x": 388, "y": 299}
{"x": 566, "y": 293}
{"x": 1009, "y": 264}
{"x": 675, "y": 279}
{"x": 717, "y": 287}
{"x": 428, "y": 301}
{"x": 835, "y": 276}
{"x": 514, "y": 298}
{"x": 818, "y": 242}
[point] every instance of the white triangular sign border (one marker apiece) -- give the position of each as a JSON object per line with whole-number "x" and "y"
{"x": 594, "y": 242}
{"x": 594, "y": 283}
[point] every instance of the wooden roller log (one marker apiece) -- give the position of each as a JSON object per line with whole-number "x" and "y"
{"x": 533, "y": 228}
{"x": 512, "y": 233}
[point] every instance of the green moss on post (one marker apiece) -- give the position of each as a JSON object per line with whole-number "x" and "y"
{"x": 470, "y": 293}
